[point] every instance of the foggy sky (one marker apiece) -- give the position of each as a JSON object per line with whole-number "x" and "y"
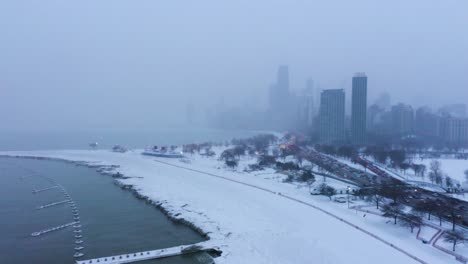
{"x": 112, "y": 64}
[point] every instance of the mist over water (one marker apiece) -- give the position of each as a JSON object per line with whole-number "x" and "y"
{"x": 107, "y": 139}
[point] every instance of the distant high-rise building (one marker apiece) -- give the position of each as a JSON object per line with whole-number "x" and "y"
{"x": 402, "y": 119}
{"x": 378, "y": 120}
{"x": 283, "y": 78}
{"x": 426, "y": 123}
{"x": 454, "y": 110}
{"x": 282, "y": 106}
{"x": 359, "y": 109}
{"x": 309, "y": 88}
{"x": 306, "y": 107}
{"x": 279, "y": 92}
{"x": 332, "y": 116}
{"x": 383, "y": 101}
{"x": 453, "y": 130}
{"x": 458, "y": 131}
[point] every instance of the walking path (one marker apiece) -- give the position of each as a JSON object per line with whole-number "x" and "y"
{"x": 151, "y": 254}
{"x": 433, "y": 241}
{"x": 301, "y": 202}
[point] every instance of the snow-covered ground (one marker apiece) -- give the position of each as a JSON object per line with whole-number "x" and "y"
{"x": 256, "y": 218}
{"x": 454, "y": 168}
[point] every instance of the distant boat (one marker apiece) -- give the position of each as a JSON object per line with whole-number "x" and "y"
{"x": 93, "y": 145}
{"x": 163, "y": 152}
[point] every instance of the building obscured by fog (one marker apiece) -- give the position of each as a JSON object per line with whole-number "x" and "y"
{"x": 332, "y": 116}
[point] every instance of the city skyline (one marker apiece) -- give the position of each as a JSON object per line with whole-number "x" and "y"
{"x": 155, "y": 55}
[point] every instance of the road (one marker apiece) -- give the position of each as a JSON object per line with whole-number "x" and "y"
{"x": 364, "y": 179}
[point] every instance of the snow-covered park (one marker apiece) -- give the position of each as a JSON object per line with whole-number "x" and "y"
{"x": 454, "y": 168}
{"x": 254, "y": 217}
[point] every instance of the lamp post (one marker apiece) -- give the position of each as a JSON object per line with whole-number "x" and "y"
{"x": 347, "y": 192}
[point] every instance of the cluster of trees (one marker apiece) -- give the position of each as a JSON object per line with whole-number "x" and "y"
{"x": 442, "y": 209}
{"x": 414, "y": 218}
{"x": 437, "y": 176}
{"x": 201, "y": 148}
{"x": 327, "y": 190}
{"x": 258, "y": 143}
{"x": 398, "y": 159}
{"x": 287, "y": 166}
{"x": 380, "y": 154}
{"x": 392, "y": 196}
{"x": 254, "y": 145}
{"x": 231, "y": 157}
{"x": 416, "y": 144}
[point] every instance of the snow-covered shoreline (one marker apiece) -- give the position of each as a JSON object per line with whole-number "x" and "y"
{"x": 249, "y": 226}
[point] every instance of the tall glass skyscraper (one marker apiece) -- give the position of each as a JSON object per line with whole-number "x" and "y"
{"x": 332, "y": 116}
{"x": 359, "y": 109}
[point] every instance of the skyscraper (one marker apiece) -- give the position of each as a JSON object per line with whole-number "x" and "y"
{"x": 359, "y": 109}
{"x": 282, "y": 102}
{"x": 402, "y": 119}
{"x": 283, "y": 80}
{"x": 305, "y": 107}
{"x": 279, "y": 92}
{"x": 332, "y": 116}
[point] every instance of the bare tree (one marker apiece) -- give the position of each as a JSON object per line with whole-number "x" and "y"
{"x": 454, "y": 237}
{"x": 428, "y": 207}
{"x": 439, "y": 210}
{"x": 374, "y": 195}
{"x": 411, "y": 221}
{"x": 377, "y": 198}
{"x": 393, "y": 190}
{"x": 448, "y": 182}
{"x": 436, "y": 172}
{"x": 432, "y": 176}
{"x": 392, "y": 210}
{"x": 450, "y": 209}
{"x": 438, "y": 179}
{"x": 466, "y": 175}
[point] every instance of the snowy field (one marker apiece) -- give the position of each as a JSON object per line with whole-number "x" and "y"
{"x": 255, "y": 217}
{"x": 454, "y": 168}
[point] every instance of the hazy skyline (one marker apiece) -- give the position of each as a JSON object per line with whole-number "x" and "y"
{"x": 113, "y": 64}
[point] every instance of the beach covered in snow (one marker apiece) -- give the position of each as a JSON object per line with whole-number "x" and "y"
{"x": 254, "y": 217}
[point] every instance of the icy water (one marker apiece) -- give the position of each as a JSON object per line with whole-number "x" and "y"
{"x": 113, "y": 220}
